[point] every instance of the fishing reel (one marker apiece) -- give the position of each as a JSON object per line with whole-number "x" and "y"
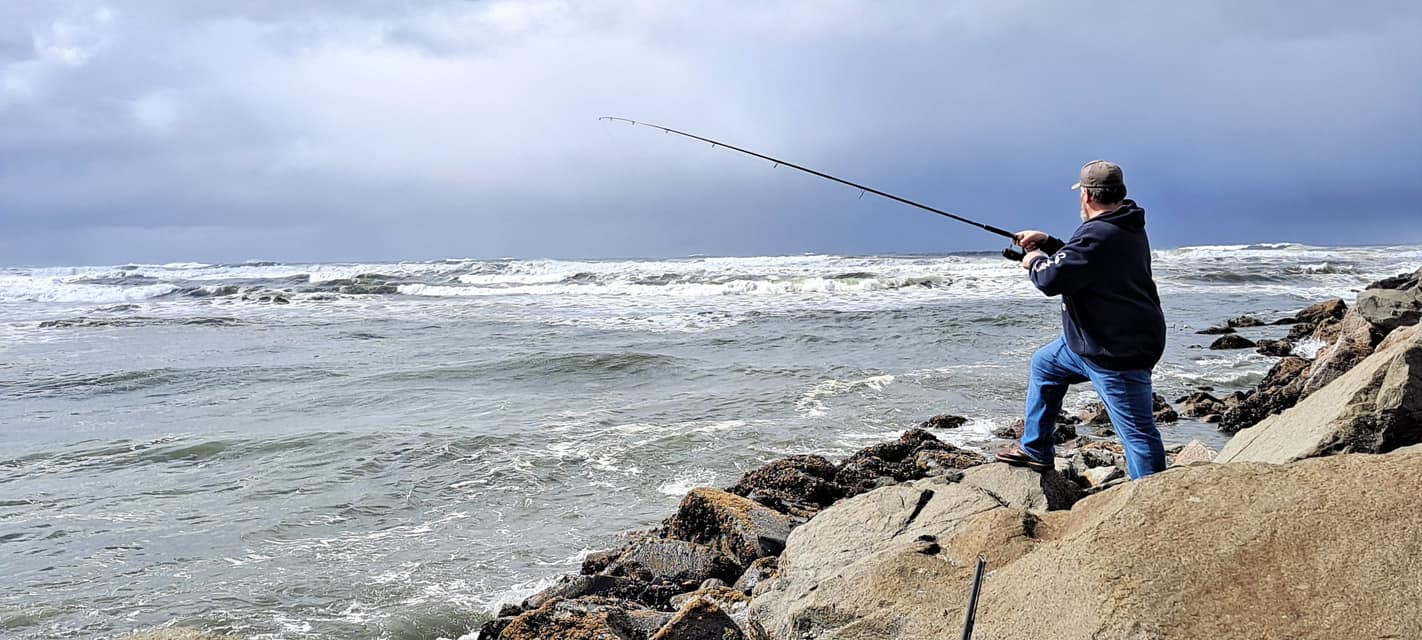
{"x": 1014, "y": 253}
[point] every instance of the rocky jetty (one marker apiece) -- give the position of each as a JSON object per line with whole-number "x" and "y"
{"x": 1340, "y": 337}
{"x": 692, "y": 578}
{"x": 882, "y": 544}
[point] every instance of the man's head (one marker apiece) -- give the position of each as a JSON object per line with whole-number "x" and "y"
{"x": 1102, "y": 186}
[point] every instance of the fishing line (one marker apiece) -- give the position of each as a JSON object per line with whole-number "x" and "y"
{"x": 1011, "y": 253}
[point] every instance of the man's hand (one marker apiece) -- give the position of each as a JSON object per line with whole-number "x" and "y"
{"x": 1033, "y": 255}
{"x": 1029, "y": 239}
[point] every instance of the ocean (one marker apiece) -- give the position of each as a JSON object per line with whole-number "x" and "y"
{"x": 392, "y": 450}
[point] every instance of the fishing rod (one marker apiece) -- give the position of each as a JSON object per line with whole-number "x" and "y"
{"x": 1011, "y": 253}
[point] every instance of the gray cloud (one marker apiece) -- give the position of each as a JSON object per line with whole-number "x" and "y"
{"x": 171, "y": 129}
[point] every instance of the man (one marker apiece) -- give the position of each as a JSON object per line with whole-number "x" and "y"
{"x": 1113, "y": 331}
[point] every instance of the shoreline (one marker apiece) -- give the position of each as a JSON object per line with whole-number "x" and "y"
{"x": 708, "y": 571}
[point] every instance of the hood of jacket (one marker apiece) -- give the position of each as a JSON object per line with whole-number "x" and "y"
{"x": 1130, "y": 216}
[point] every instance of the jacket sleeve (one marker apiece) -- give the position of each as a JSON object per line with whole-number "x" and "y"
{"x": 1067, "y": 270}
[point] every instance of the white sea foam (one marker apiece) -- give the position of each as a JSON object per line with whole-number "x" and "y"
{"x": 812, "y": 403}
{"x": 1308, "y": 348}
{"x": 51, "y": 290}
{"x": 688, "y": 480}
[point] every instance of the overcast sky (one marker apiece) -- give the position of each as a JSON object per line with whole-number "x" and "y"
{"x": 196, "y": 130}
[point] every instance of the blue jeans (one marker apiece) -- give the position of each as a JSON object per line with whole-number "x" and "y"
{"x": 1127, "y": 395}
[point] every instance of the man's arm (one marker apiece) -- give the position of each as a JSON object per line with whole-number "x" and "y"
{"x": 1066, "y": 271}
{"x": 1033, "y": 240}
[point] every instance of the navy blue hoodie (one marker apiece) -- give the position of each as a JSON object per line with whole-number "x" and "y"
{"x": 1110, "y": 308}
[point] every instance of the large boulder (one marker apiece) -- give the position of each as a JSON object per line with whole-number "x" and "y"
{"x": 1350, "y": 341}
{"x": 1393, "y": 302}
{"x": 1209, "y": 551}
{"x": 1389, "y": 309}
{"x": 1322, "y": 312}
{"x": 1022, "y": 488}
{"x": 1373, "y": 408}
{"x": 739, "y": 527}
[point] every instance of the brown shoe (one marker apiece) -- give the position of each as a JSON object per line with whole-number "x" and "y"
{"x": 1015, "y": 456}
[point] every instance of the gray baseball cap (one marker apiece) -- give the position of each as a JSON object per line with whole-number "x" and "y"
{"x": 1100, "y": 173}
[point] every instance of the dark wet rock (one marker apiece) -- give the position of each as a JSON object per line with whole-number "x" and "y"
{"x": 1094, "y": 413}
{"x": 1302, "y": 331}
{"x": 630, "y": 589}
{"x": 1281, "y": 388}
{"x": 802, "y": 482}
{"x": 493, "y": 629}
{"x": 1404, "y": 281}
{"x": 939, "y": 461}
{"x": 213, "y": 292}
{"x": 1065, "y": 430}
{"x": 700, "y": 619}
{"x": 1200, "y": 404}
{"x": 944, "y": 421}
{"x": 723, "y": 596}
{"x": 1215, "y": 331}
{"x": 1326, "y": 310}
{"x": 1244, "y": 322}
{"x": 368, "y": 289}
{"x": 1276, "y": 348}
{"x": 1231, "y": 342}
{"x": 895, "y": 461}
{"x": 87, "y": 322}
{"x": 739, "y": 527}
{"x": 596, "y": 561}
{"x": 268, "y": 297}
{"x": 587, "y": 618}
{"x": 759, "y": 571}
{"x": 1095, "y": 456}
{"x": 1162, "y": 411}
{"x": 674, "y": 561}
{"x": 854, "y": 275}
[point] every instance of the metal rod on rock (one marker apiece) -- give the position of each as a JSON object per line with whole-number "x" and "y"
{"x": 973, "y": 598}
